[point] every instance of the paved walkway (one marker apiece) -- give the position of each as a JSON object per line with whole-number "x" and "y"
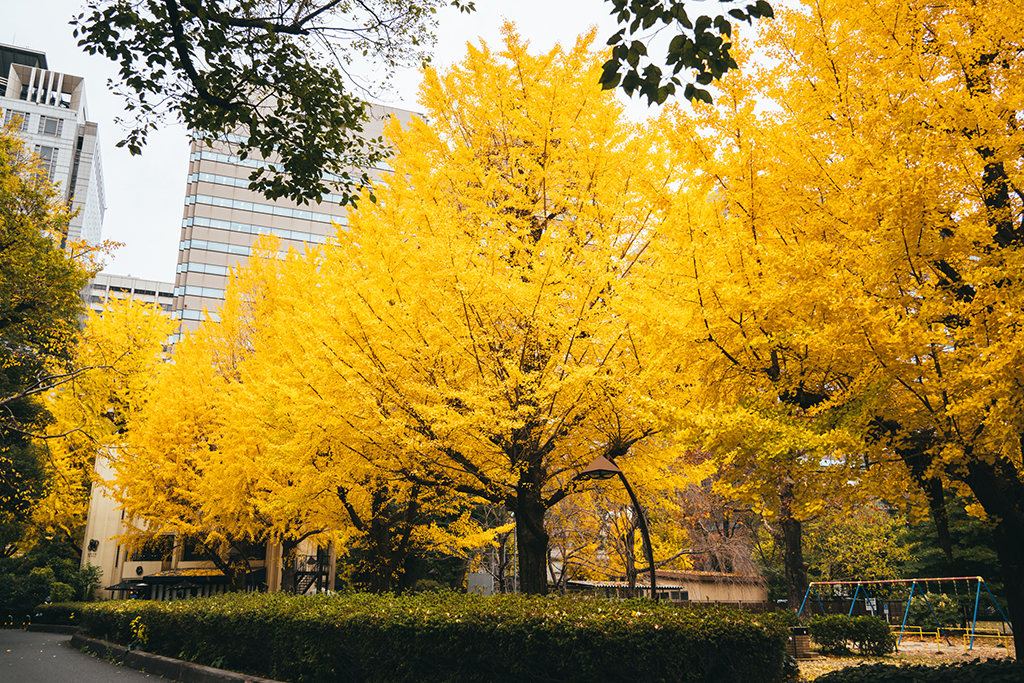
{"x": 29, "y": 657}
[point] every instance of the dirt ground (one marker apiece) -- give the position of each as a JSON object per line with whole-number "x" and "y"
{"x": 910, "y": 653}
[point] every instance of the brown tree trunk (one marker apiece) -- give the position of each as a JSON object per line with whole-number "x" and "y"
{"x": 531, "y": 539}
{"x": 629, "y": 558}
{"x": 236, "y": 573}
{"x": 288, "y": 548}
{"x": 792, "y": 534}
{"x": 998, "y": 488}
{"x": 233, "y": 568}
{"x": 1010, "y": 550}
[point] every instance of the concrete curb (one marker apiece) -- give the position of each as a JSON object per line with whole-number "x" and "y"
{"x": 171, "y": 669}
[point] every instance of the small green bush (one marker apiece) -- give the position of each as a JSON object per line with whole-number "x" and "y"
{"x": 61, "y": 592}
{"x": 835, "y": 633}
{"x": 786, "y": 618}
{"x": 829, "y": 632}
{"x": 976, "y": 671}
{"x": 448, "y": 638}
{"x": 61, "y": 613}
{"x": 871, "y": 636}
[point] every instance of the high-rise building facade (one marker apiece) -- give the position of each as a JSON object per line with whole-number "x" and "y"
{"x": 223, "y": 218}
{"x": 49, "y": 110}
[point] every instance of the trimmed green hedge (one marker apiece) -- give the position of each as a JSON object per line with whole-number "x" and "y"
{"x": 869, "y": 635}
{"x": 976, "y": 671}
{"x": 62, "y": 613}
{"x": 446, "y": 637}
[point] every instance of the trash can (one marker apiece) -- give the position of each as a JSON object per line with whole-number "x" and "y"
{"x": 799, "y": 644}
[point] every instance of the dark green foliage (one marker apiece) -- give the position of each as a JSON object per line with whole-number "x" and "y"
{"x": 974, "y": 554}
{"x": 450, "y": 637}
{"x": 60, "y": 613}
{"x": 830, "y": 633}
{"x": 22, "y": 479}
{"x": 947, "y": 609}
{"x": 44, "y": 573}
{"x": 836, "y": 633}
{"x": 977, "y": 671}
{"x": 276, "y": 74}
{"x": 872, "y": 636}
{"x": 702, "y": 45}
{"x": 39, "y": 319}
{"x": 786, "y": 618}
{"x": 61, "y": 592}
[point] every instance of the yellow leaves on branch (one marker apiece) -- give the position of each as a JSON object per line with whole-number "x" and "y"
{"x": 781, "y": 278}
{"x": 462, "y": 340}
{"x": 847, "y": 249}
{"x": 118, "y": 356}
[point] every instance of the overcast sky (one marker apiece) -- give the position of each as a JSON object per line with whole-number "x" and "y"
{"x": 145, "y": 194}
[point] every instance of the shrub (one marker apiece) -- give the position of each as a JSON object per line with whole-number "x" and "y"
{"x": 976, "y": 671}
{"x": 948, "y": 610}
{"x": 787, "y": 618}
{"x": 62, "y": 613}
{"x": 829, "y": 632}
{"x": 24, "y": 584}
{"x": 443, "y": 637}
{"x": 835, "y": 632}
{"x": 871, "y": 636}
{"x": 61, "y": 592}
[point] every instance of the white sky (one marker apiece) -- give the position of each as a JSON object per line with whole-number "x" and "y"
{"x": 145, "y": 194}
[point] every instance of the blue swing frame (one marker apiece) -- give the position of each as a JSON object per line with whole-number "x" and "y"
{"x": 913, "y": 585}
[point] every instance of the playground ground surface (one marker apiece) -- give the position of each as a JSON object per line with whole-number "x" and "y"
{"x": 916, "y": 650}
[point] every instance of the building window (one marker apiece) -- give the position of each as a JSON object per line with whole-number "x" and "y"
{"x": 157, "y": 550}
{"x": 48, "y": 157}
{"x": 50, "y": 125}
{"x": 20, "y": 116}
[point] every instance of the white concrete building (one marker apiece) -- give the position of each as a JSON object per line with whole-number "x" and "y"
{"x": 49, "y": 110}
{"x": 106, "y": 286}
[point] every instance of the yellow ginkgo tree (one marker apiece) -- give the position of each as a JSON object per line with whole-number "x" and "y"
{"x": 460, "y": 342}
{"x": 848, "y": 251}
{"x": 123, "y": 347}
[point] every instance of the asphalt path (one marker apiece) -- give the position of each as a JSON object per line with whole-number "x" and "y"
{"x": 32, "y": 657}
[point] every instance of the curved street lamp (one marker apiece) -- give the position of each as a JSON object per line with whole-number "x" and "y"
{"x": 601, "y": 469}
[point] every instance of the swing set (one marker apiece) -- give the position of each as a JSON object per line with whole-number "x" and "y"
{"x": 922, "y": 591}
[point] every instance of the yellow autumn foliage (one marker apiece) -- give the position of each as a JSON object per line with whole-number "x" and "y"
{"x": 121, "y": 349}
{"x": 847, "y": 255}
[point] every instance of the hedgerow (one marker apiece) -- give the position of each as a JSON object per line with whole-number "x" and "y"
{"x": 976, "y": 671}
{"x": 446, "y": 637}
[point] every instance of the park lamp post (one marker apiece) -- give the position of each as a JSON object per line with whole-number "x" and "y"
{"x": 601, "y": 469}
